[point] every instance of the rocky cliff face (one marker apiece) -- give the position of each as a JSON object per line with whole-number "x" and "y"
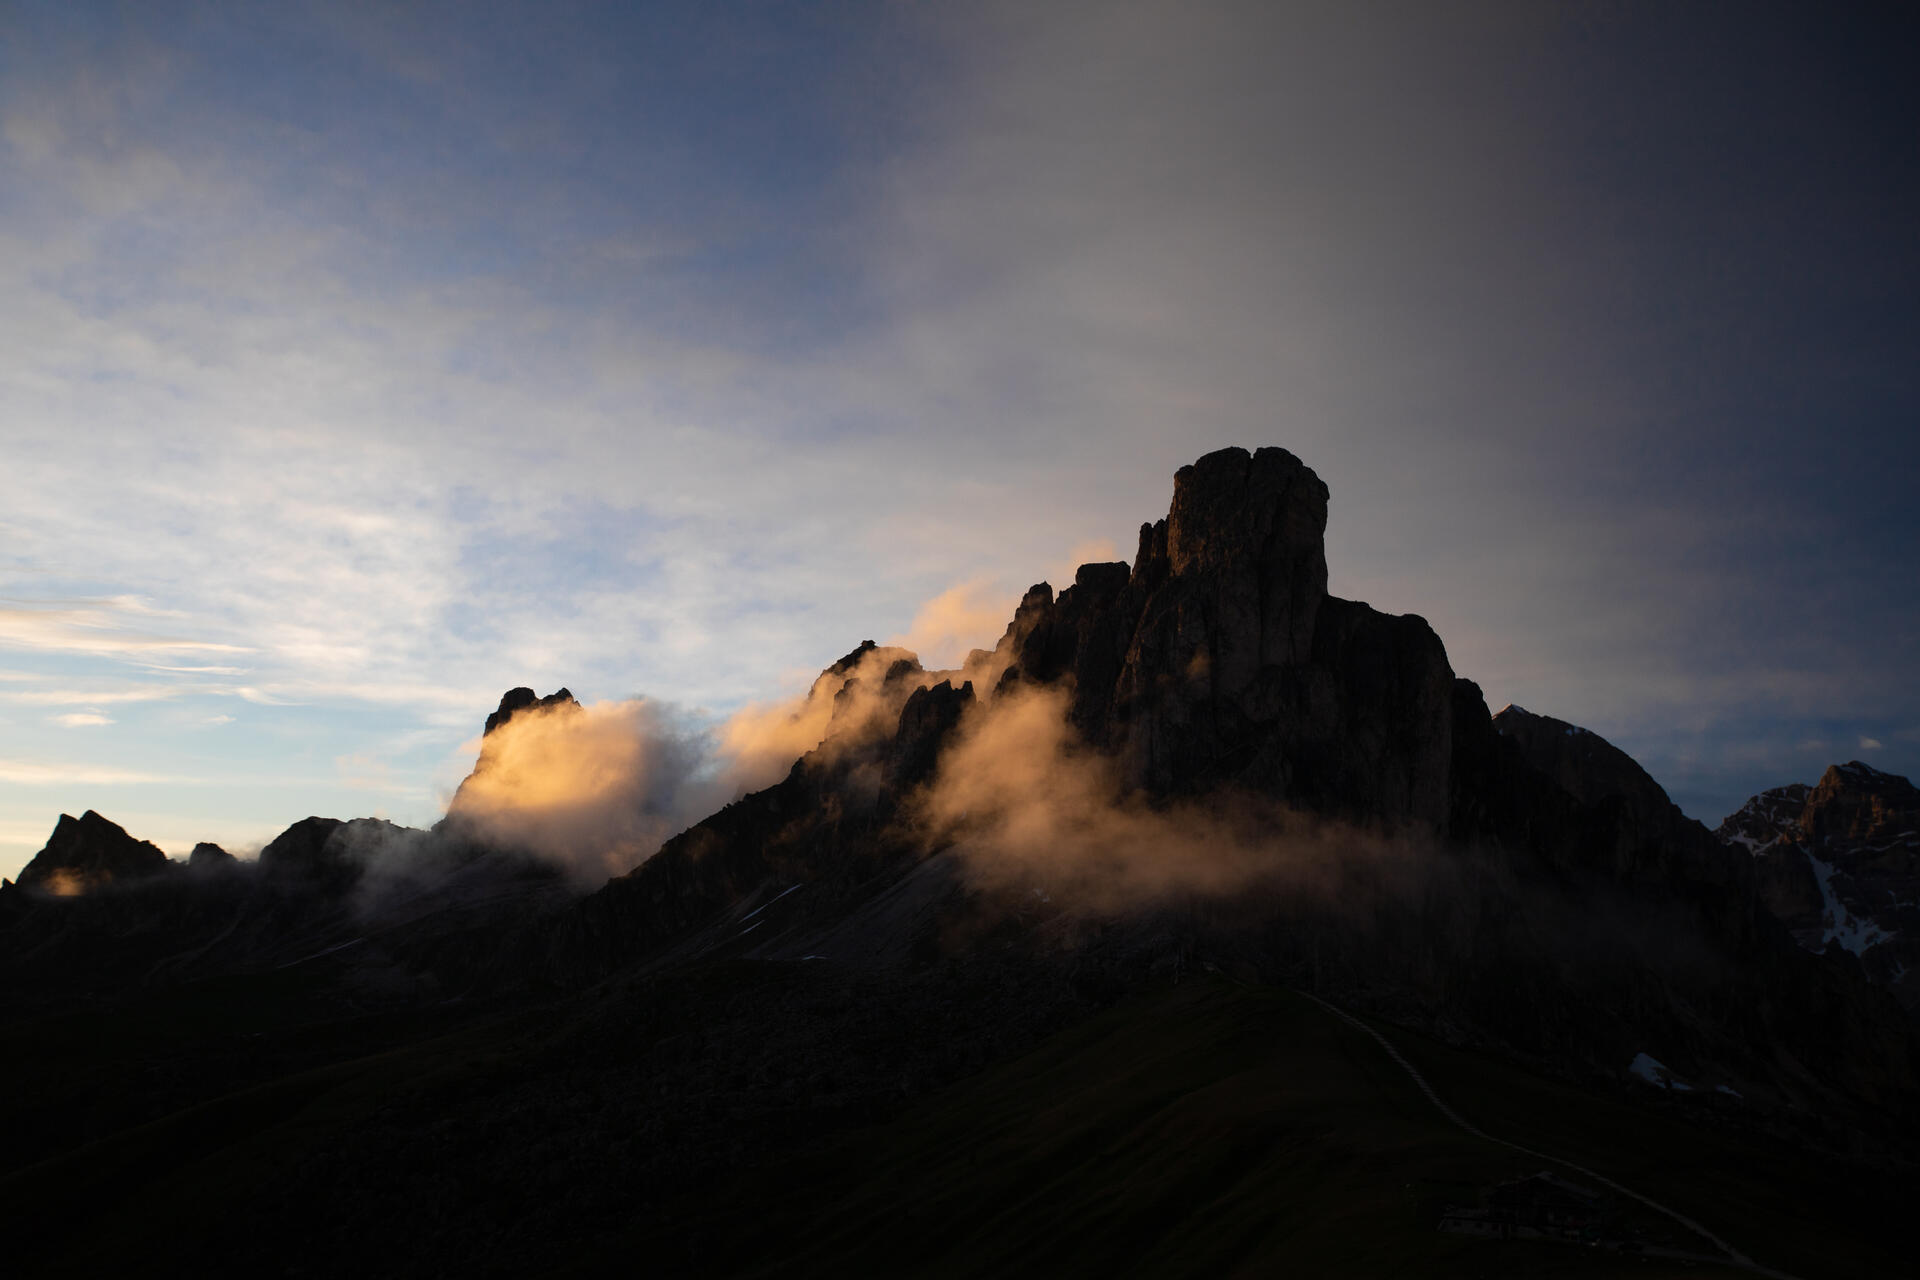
{"x": 1839, "y": 863}
{"x": 1219, "y": 660}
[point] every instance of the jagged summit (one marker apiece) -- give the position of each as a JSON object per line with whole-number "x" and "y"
{"x": 1219, "y": 659}
{"x": 515, "y": 701}
{"x": 88, "y": 853}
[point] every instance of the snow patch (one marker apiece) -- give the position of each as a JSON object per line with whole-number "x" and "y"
{"x": 1854, "y": 933}
{"x": 1655, "y": 1072}
{"x": 1752, "y": 844}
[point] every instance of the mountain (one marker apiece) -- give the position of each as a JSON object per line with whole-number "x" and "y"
{"x": 89, "y": 852}
{"x": 872, "y": 1008}
{"x": 1839, "y": 863}
{"x": 1514, "y": 879}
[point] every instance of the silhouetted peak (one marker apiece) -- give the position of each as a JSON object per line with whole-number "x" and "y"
{"x": 1231, "y": 505}
{"x": 90, "y": 851}
{"x": 1102, "y": 579}
{"x": 515, "y": 701}
{"x": 852, "y": 660}
{"x": 208, "y": 855}
{"x": 1586, "y": 765}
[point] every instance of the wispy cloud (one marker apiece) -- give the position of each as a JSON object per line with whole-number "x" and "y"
{"x": 92, "y": 697}
{"x": 39, "y": 774}
{"x": 97, "y": 627}
{"x": 82, "y": 719}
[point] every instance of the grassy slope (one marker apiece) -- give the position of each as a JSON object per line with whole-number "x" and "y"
{"x": 1204, "y": 1129}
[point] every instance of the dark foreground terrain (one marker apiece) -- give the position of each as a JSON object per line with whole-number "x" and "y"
{"x": 790, "y": 1119}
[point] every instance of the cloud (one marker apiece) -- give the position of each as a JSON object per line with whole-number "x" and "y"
{"x": 1033, "y": 814}
{"x": 965, "y": 616}
{"x": 1870, "y": 744}
{"x": 599, "y": 788}
{"x": 95, "y": 627}
{"x": 366, "y": 772}
{"x": 594, "y": 789}
{"x": 37, "y": 773}
{"x": 94, "y": 697}
{"x": 78, "y": 719}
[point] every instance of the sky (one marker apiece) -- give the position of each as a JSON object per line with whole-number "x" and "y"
{"x": 359, "y": 362}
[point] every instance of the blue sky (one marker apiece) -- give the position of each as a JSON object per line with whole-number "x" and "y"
{"x": 358, "y": 362}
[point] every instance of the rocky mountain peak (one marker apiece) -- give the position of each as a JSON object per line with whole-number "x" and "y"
{"x": 1857, "y": 802}
{"x": 89, "y": 852}
{"x": 1839, "y": 863}
{"x": 1586, "y": 765}
{"x": 1217, "y": 657}
{"x": 1232, "y": 504}
{"x": 206, "y": 855}
{"x": 515, "y": 701}
{"x": 843, "y": 666}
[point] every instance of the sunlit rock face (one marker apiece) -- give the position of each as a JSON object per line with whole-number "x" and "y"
{"x": 1839, "y": 863}
{"x": 88, "y": 853}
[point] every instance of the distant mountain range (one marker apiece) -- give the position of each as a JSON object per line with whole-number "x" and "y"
{"x": 1196, "y": 768}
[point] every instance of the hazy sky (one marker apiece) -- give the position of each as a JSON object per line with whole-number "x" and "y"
{"x": 358, "y": 362}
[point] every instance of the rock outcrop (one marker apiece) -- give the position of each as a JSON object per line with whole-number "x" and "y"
{"x": 88, "y": 853}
